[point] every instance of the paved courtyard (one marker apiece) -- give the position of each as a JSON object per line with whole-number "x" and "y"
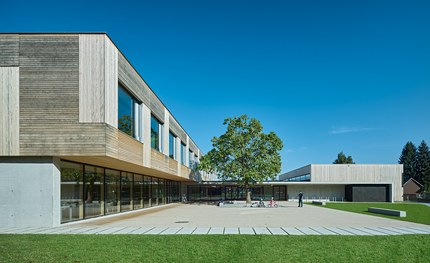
{"x": 287, "y": 219}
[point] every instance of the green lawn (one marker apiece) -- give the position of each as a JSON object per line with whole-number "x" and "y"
{"x": 213, "y": 248}
{"x": 417, "y": 213}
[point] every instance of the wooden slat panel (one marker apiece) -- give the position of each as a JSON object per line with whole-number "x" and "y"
{"x": 49, "y": 79}
{"x": 163, "y": 163}
{"x": 129, "y": 149}
{"x": 9, "y": 50}
{"x": 49, "y": 98}
{"x": 9, "y": 110}
{"x": 177, "y": 130}
{"x": 92, "y": 78}
{"x": 74, "y": 139}
{"x": 111, "y": 83}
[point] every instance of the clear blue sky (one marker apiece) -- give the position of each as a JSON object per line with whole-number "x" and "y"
{"x": 326, "y": 76}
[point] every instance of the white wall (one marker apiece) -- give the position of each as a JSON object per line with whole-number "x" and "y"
{"x": 330, "y": 192}
{"x": 29, "y": 192}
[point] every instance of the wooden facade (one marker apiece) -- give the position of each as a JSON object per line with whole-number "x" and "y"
{"x": 59, "y": 97}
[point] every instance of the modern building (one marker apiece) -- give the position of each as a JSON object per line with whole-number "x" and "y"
{"x": 82, "y": 135}
{"x": 347, "y": 182}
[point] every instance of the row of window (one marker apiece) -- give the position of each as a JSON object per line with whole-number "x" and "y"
{"x": 89, "y": 191}
{"x": 130, "y": 122}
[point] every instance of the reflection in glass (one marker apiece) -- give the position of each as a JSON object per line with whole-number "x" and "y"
{"x": 93, "y": 191}
{"x": 112, "y": 191}
{"x": 172, "y": 146}
{"x": 161, "y": 192}
{"x": 154, "y": 192}
{"x": 156, "y": 138}
{"x": 147, "y": 200}
{"x": 183, "y": 152}
{"x": 71, "y": 191}
{"x": 138, "y": 191}
{"x": 126, "y": 186}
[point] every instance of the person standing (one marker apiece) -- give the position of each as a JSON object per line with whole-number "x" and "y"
{"x": 300, "y": 199}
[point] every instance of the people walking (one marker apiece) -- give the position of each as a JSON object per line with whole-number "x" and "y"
{"x": 300, "y": 199}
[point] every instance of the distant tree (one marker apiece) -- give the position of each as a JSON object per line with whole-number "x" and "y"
{"x": 423, "y": 165}
{"x": 244, "y": 153}
{"x": 342, "y": 159}
{"x": 409, "y": 160}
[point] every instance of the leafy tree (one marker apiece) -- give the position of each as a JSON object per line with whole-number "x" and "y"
{"x": 409, "y": 160}
{"x": 342, "y": 159}
{"x": 423, "y": 164}
{"x": 244, "y": 153}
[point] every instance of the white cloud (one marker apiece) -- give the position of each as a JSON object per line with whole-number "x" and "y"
{"x": 344, "y": 129}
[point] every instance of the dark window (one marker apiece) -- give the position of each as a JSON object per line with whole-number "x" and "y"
{"x": 156, "y": 134}
{"x": 172, "y": 146}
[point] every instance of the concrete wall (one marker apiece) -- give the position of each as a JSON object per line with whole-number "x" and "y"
{"x": 29, "y": 192}
{"x": 312, "y": 191}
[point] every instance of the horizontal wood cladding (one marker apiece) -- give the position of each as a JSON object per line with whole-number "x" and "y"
{"x": 137, "y": 86}
{"x": 63, "y": 139}
{"x": 9, "y": 50}
{"x": 9, "y": 110}
{"x": 49, "y": 80}
{"x": 163, "y": 163}
{"x": 129, "y": 149}
{"x": 185, "y": 172}
{"x": 177, "y": 130}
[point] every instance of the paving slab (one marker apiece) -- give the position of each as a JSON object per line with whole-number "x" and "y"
{"x": 340, "y": 231}
{"x": 111, "y": 230}
{"x": 370, "y": 231}
{"x": 231, "y": 231}
{"x": 155, "y": 231}
{"x": 201, "y": 231}
{"x": 171, "y": 231}
{"x": 126, "y": 230}
{"x": 397, "y": 230}
{"x": 277, "y": 231}
{"x": 246, "y": 231}
{"x": 216, "y": 231}
{"x": 414, "y": 231}
{"x": 292, "y": 231}
{"x": 261, "y": 231}
{"x": 323, "y": 231}
{"x": 141, "y": 230}
{"x": 382, "y": 230}
{"x": 308, "y": 231}
{"x": 354, "y": 231}
{"x": 186, "y": 231}
{"x": 93, "y": 231}
{"x": 423, "y": 229}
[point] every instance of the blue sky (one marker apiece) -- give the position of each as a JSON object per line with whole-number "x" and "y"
{"x": 326, "y": 76}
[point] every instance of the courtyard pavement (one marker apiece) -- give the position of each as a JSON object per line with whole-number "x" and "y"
{"x": 287, "y": 219}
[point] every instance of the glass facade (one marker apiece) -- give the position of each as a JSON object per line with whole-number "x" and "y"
{"x": 156, "y": 134}
{"x": 172, "y": 146}
{"x": 88, "y": 191}
{"x": 183, "y": 152}
{"x": 234, "y": 192}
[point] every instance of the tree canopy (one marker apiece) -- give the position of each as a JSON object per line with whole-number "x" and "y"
{"x": 409, "y": 160}
{"x": 342, "y": 159}
{"x": 244, "y": 153}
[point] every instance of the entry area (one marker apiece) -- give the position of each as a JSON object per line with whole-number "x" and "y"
{"x": 234, "y": 192}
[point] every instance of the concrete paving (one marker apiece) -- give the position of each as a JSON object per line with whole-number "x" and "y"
{"x": 186, "y": 219}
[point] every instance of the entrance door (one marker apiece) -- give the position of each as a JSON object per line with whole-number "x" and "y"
{"x": 280, "y": 192}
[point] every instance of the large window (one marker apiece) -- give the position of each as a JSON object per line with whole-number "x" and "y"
{"x": 190, "y": 159}
{"x": 138, "y": 191}
{"x": 183, "y": 154}
{"x": 112, "y": 191}
{"x": 126, "y": 191}
{"x": 71, "y": 192}
{"x": 156, "y": 134}
{"x": 93, "y": 191}
{"x": 172, "y": 146}
{"x": 129, "y": 114}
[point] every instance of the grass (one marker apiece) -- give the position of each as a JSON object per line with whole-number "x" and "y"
{"x": 417, "y": 213}
{"x": 213, "y": 248}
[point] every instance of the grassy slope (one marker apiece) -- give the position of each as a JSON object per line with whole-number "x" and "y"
{"x": 213, "y": 248}
{"x": 417, "y": 213}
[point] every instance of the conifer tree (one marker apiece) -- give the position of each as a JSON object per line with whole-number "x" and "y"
{"x": 423, "y": 165}
{"x": 408, "y": 159}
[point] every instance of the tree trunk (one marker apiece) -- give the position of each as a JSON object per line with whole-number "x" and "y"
{"x": 248, "y": 193}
